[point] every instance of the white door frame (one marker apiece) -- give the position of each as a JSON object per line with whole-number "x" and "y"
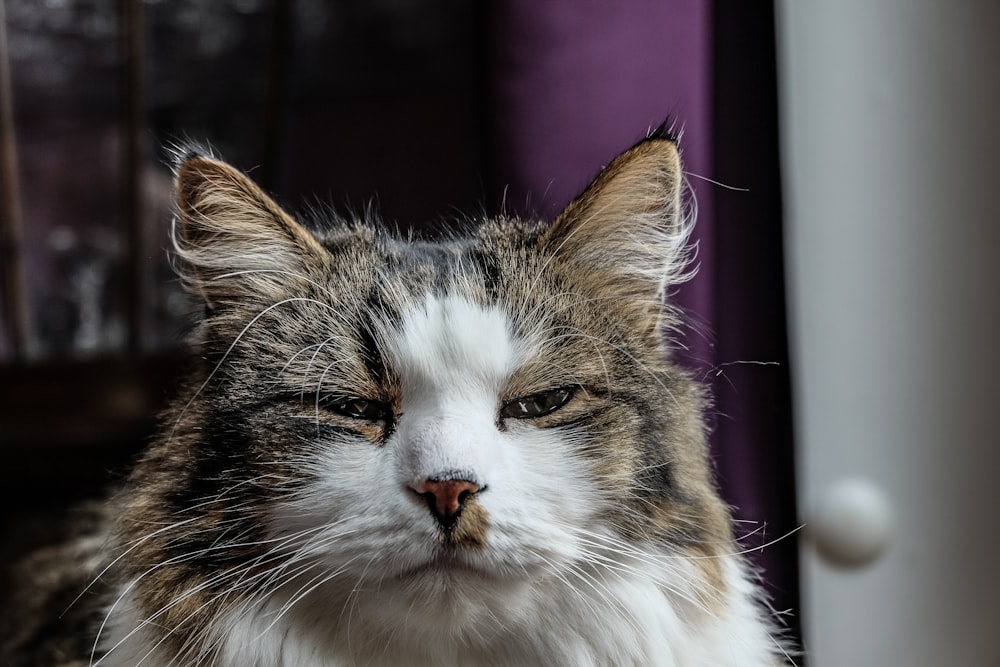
{"x": 890, "y": 113}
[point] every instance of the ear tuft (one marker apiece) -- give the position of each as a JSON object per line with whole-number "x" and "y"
{"x": 666, "y": 131}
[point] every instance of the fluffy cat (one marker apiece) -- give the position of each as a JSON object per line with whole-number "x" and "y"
{"x": 393, "y": 452}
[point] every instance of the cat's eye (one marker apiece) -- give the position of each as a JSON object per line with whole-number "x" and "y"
{"x": 361, "y": 408}
{"x": 537, "y": 405}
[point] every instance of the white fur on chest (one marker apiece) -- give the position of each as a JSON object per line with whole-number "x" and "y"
{"x": 621, "y": 621}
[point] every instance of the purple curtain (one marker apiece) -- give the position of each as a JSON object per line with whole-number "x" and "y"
{"x": 576, "y": 82}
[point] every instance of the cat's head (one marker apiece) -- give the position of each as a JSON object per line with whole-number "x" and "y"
{"x": 447, "y": 422}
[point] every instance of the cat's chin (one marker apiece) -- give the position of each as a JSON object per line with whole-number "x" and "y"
{"x": 456, "y": 586}
{"x": 449, "y": 571}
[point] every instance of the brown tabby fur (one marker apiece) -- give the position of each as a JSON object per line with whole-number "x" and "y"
{"x": 206, "y": 485}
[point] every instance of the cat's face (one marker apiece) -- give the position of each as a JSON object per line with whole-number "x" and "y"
{"x": 461, "y": 469}
{"x": 443, "y": 425}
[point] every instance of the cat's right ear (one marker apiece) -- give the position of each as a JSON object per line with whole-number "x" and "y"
{"x": 236, "y": 241}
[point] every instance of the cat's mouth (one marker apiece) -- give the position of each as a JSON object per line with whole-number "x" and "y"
{"x": 446, "y": 564}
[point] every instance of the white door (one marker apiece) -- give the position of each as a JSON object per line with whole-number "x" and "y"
{"x": 890, "y": 113}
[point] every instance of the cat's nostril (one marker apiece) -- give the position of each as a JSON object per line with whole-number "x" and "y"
{"x": 446, "y": 497}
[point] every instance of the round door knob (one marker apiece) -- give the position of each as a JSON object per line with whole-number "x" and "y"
{"x": 852, "y": 522}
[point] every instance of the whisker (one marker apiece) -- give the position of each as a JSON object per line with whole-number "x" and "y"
{"x": 233, "y": 345}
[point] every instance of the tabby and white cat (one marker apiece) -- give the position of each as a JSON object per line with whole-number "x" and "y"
{"x": 468, "y": 452}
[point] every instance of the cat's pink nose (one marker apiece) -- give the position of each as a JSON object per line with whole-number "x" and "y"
{"x": 446, "y": 497}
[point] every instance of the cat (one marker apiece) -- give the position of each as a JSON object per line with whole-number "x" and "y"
{"x": 470, "y": 451}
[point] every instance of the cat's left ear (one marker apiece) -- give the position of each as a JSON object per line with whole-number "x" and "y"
{"x": 237, "y": 242}
{"x": 625, "y": 238}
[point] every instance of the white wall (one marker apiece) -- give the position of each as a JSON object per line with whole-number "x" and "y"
{"x": 891, "y": 159}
